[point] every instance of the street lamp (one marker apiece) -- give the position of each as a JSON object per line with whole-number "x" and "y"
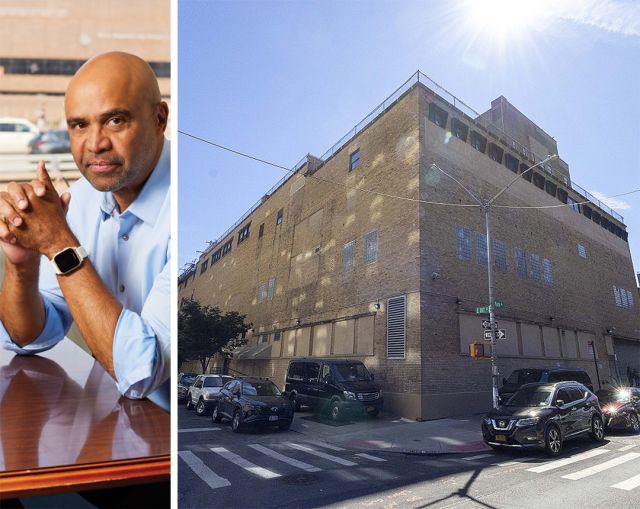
{"x": 485, "y": 206}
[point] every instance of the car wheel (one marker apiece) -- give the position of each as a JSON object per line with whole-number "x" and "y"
{"x": 335, "y": 411}
{"x": 296, "y": 404}
{"x": 284, "y": 426}
{"x": 215, "y": 415}
{"x": 201, "y": 408}
{"x": 552, "y": 441}
{"x": 635, "y": 423}
{"x": 597, "y": 429}
{"x": 189, "y": 403}
{"x": 236, "y": 422}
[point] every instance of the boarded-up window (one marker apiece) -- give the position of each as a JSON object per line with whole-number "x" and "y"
{"x": 364, "y": 335}
{"x": 396, "y": 327}
{"x": 343, "y": 337}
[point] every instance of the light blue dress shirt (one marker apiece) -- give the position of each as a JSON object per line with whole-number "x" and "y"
{"x": 130, "y": 252}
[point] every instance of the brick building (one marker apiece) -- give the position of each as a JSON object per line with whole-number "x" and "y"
{"x": 353, "y": 256}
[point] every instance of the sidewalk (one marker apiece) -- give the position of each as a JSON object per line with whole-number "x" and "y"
{"x": 394, "y": 434}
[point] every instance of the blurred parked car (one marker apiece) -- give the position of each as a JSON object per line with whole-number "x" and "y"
{"x": 203, "y": 392}
{"x": 621, "y": 408}
{"x": 15, "y": 134}
{"x": 54, "y": 141}
{"x": 544, "y": 415}
{"x": 253, "y": 401}
{"x": 185, "y": 380}
{"x": 519, "y": 377}
{"x": 336, "y": 385}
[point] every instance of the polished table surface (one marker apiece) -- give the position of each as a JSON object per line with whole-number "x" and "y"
{"x": 65, "y": 427}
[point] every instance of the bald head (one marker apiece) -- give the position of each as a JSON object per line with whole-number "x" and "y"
{"x": 116, "y": 120}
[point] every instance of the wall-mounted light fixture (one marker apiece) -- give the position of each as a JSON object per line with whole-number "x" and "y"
{"x": 551, "y": 318}
{"x": 297, "y": 321}
{"x": 458, "y": 301}
{"x": 611, "y": 330}
{"x": 377, "y": 304}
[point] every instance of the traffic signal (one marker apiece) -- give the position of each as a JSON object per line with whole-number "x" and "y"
{"x": 476, "y": 350}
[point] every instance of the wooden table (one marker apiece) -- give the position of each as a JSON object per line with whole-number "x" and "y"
{"x": 65, "y": 427}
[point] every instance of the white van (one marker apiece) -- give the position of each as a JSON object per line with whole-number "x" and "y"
{"x": 15, "y": 135}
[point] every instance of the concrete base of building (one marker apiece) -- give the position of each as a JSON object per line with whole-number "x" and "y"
{"x": 406, "y": 405}
{"x": 438, "y": 406}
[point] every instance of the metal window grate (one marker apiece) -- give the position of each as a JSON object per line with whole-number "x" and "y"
{"x": 623, "y": 298}
{"x": 463, "y": 243}
{"x": 348, "y": 256}
{"x": 521, "y": 263}
{"x": 481, "y": 249}
{"x": 272, "y": 285}
{"x": 535, "y": 267}
{"x": 548, "y": 271}
{"x": 616, "y": 296}
{"x": 500, "y": 248}
{"x": 582, "y": 251}
{"x": 629, "y": 299}
{"x": 261, "y": 292}
{"x": 396, "y": 327}
{"x": 370, "y": 247}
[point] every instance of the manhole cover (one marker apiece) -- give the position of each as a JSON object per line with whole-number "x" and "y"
{"x": 299, "y": 479}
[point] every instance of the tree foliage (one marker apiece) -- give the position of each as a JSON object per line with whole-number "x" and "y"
{"x": 204, "y": 331}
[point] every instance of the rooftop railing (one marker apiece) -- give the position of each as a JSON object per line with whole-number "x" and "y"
{"x": 474, "y": 116}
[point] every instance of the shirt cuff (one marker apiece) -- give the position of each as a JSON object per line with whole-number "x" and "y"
{"x": 53, "y": 332}
{"x": 135, "y": 358}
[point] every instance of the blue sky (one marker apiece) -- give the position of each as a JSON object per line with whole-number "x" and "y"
{"x": 280, "y": 79}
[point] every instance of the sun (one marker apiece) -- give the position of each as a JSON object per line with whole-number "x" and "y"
{"x": 503, "y": 20}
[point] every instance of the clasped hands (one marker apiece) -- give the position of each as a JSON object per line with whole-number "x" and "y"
{"x": 32, "y": 219}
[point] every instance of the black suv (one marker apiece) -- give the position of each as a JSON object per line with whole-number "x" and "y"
{"x": 252, "y": 401}
{"x": 336, "y": 385}
{"x": 544, "y": 415}
{"x": 621, "y": 408}
{"x": 519, "y": 377}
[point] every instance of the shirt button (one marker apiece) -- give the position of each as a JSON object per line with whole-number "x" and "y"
{"x": 121, "y": 288}
{"x": 125, "y": 237}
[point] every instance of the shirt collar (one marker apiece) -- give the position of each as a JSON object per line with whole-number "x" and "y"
{"x": 151, "y": 197}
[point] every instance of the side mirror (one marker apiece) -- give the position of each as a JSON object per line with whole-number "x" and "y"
{"x": 559, "y": 402}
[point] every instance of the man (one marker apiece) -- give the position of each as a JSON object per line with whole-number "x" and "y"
{"x": 105, "y": 263}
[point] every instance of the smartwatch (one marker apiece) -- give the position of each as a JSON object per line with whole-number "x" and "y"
{"x": 68, "y": 260}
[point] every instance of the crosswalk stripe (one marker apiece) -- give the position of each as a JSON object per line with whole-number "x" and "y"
{"x": 194, "y": 430}
{"x": 369, "y": 456}
{"x": 602, "y": 466}
{"x": 515, "y": 462}
{"x": 567, "y": 461}
{"x": 627, "y": 447}
{"x": 286, "y": 459}
{"x": 321, "y": 454}
{"x": 325, "y": 445}
{"x": 479, "y": 456}
{"x": 247, "y": 465}
{"x": 203, "y": 471}
{"x": 629, "y": 484}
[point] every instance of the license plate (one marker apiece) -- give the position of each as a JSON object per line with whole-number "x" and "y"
{"x": 501, "y": 438}
{"x": 273, "y": 417}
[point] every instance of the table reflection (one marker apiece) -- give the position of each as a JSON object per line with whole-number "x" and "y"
{"x": 68, "y": 411}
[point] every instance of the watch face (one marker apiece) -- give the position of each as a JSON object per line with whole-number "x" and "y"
{"x": 67, "y": 260}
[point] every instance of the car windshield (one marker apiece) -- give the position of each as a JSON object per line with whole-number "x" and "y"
{"x": 187, "y": 379}
{"x": 523, "y": 376}
{"x": 260, "y": 389}
{"x": 614, "y": 396}
{"x": 352, "y": 372}
{"x": 531, "y": 396}
{"x": 214, "y": 381}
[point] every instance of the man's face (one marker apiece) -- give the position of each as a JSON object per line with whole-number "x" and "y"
{"x": 115, "y": 132}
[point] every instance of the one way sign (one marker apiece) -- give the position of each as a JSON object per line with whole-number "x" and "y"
{"x": 500, "y": 334}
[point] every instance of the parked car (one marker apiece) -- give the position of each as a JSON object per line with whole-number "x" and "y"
{"x": 544, "y": 415}
{"x": 185, "y": 380}
{"x": 336, "y": 385}
{"x": 54, "y": 141}
{"x": 519, "y": 377}
{"x": 252, "y": 401}
{"x": 15, "y": 134}
{"x": 621, "y": 408}
{"x": 203, "y": 392}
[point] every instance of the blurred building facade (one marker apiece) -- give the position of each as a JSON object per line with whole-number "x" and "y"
{"x": 388, "y": 276}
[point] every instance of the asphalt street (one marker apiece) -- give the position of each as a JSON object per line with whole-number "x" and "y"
{"x": 271, "y": 468}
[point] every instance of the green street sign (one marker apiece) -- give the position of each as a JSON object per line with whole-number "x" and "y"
{"x": 485, "y": 309}
{"x": 498, "y": 304}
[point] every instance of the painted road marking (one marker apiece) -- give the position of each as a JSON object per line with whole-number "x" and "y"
{"x": 627, "y": 447}
{"x": 291, "y": 461}
{"x": 247, "y": 465}
{"x": 629, "y": 484}
{"x": 602, "y": 466}
{"x": 212, "y": 479}
{"x": 515, "y": 462}
{"x": 567, "y": 461}
{"x": 325, "y": 445}
{"x": 196, "y": 430}
{"x": 369, "y": 456}
{"x": 479, "y": 456}
{"x": 321, "y": 454}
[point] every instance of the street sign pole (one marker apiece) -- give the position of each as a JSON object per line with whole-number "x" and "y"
{"x": 494, "y": 365}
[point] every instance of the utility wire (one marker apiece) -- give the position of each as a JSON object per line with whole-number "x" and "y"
{"x": 386, "y": 195}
